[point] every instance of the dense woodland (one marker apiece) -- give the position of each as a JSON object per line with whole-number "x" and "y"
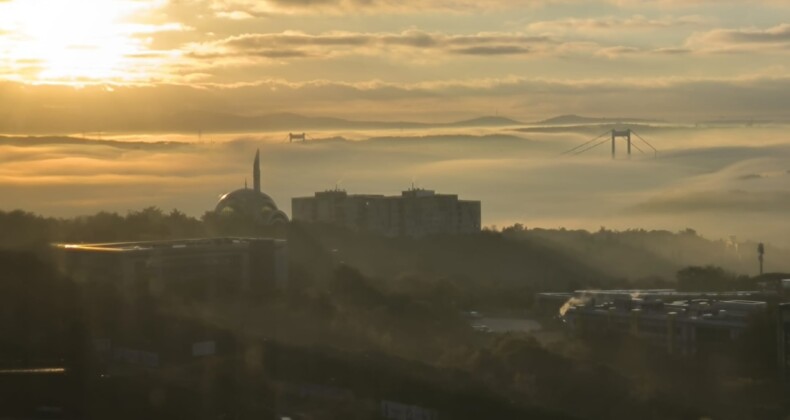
{"x": 386, "y": 318}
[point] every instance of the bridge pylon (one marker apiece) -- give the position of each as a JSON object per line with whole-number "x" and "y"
{"x": 614, "y": 135}
{"x": 626, "y": 134}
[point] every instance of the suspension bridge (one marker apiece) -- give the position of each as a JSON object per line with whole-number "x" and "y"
{"x": 613, "y": 135}
{"x": 297, "y": 137}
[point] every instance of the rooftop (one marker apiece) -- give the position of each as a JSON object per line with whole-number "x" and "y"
{"x": 166, "y": 244}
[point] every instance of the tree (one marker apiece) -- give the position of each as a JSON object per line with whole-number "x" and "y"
{"x": 708, "y": 278}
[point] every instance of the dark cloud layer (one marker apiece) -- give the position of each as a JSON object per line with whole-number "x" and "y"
{"x": 752, "y": 40}
{"x": 328, "y": 44}
{"x": 58, "y": 109}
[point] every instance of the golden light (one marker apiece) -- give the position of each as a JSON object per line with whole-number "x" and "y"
{"x": 72, "y": 41}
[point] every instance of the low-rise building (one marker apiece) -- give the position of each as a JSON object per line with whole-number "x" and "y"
{"x": 202, "y": 267}
{"x": 682, "y": 322}
{"x": 416, "y": 212}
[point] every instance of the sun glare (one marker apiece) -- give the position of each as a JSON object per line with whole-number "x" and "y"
{"x": 72, "y": 41}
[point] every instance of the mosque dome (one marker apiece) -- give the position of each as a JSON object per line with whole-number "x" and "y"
{"x": 251, "y": 202}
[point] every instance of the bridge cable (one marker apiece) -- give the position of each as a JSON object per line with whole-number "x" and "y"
{"x": 591, "y": 147}
{"x": 584, "y": 144}
{"x": 655, "y": 151}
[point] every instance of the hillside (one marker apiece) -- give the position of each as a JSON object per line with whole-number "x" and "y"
{"x": 487, "y": 121}
{"x": 68, "y": 140}
{"x": 540, "y": 259}
{"x": 537, "y": 258}
{"x": 193, "y": 121}
{"x": 572, "y": 119}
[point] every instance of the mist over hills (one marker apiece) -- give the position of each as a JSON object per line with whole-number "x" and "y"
{"x": 195, "y": 121}
{"x": 572, "y": 119}
{"x": 594, "y": 129}
{"x": 30, "y": 141}
{"x": 215, "y": 122}
{"x": 486, "y": 121}
{"x": 482, "y": 139}
{"x": 719, "y": 181}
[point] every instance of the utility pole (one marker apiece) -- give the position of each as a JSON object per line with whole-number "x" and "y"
{"x": 760, "y": 254}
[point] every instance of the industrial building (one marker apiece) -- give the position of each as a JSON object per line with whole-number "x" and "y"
{"x": 416, "y": 212}
{"x": 205, "y": 268}
{"x": 683, "y": 322}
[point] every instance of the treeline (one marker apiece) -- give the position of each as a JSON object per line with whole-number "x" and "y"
{"x": 538, "y": 259}
{"x": 25, "y": 230}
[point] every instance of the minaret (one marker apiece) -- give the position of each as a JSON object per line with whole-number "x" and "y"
{"x": 256, "y": 172}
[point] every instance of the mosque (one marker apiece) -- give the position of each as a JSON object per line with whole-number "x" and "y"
{"x": 252, "y": 202}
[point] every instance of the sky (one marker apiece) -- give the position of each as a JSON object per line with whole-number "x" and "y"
{"x": 689, "y": 60}
{"x": 159, "y": 71}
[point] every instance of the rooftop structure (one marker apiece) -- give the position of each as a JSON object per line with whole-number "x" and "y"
{"x": 205, "y": 268}
{"x": 416, "y": 212}
{"x": 253, "y": 202}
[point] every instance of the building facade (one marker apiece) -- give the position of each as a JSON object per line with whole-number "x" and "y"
{"x": 205, "y": 268}
{"x": 416, "y": 212}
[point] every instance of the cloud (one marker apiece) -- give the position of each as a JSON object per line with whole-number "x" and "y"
{"x": 418, "y": 46}
{"x": 225, "y": 107}
{"x": 614, "y": 52}
{"x": 272, "y": 7}
{"x": 298, "y": 44}
{"x": 84, "y": 40}
{"x": 235, "y": 15}
{"x": 734, "y": 201}
{"x": 187, "y": 41}
{"x": 615, "y": 23}
{"x": 776, "y": 38}
{"x": 672, "y": 51}
{"x": 492, "y": 50}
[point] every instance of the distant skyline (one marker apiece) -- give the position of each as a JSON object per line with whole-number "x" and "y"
{"x": 135, "y": 60}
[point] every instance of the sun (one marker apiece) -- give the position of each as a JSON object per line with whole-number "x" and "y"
{"x": 72, "y": 40}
